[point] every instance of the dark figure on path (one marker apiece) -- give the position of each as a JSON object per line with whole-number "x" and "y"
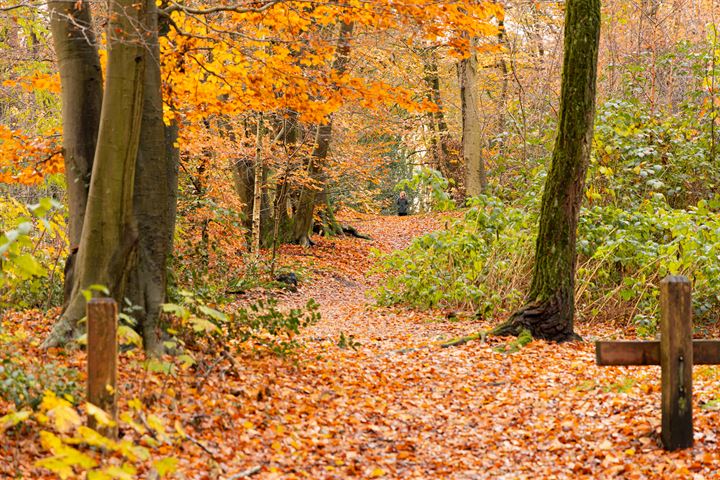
{"x": 402, "y": 204}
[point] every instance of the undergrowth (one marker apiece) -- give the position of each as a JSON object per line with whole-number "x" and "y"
{"x": 482, "y": 262}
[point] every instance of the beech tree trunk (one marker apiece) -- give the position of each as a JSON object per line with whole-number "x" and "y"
{"x": 243, "y": 172}
{"x": 303, "y": 219}
{"x": 108, "y": 243}
{"x": 550, "y": 306}
{"x": 82, "y": 92}
{"x": 475, "y": 176}
{"x": 154, "y": 197}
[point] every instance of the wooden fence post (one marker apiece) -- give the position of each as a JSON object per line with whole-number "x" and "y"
{"x": 676, "y": 361}
{"x": 102, "y": 348}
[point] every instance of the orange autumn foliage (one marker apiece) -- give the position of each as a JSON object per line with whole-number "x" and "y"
{"x": 26, "y": 159}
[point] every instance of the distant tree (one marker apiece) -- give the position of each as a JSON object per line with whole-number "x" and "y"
{"x": 550, "y": 308}
{"x": 475, "y": 176}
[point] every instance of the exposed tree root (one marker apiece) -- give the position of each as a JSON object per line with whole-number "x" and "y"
{"x": 352, "y": 232}
{"x": 463, "y": 340}
{"x": 544, "y": 320}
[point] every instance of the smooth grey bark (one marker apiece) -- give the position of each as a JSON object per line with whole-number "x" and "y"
{"x": 108, "y": 242}
{"x": 82, "y": 91}
{"x": 154, "y": 197}
{"x": 550, "y": 308}
{"x": 475, "y": 175}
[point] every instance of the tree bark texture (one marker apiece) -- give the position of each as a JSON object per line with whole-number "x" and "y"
{"x": 475, "y": 176}
{"x": 550, "y": 306}
{"x": 154, "y": 197}
{"x": 257, "y": 189}
{"x": 82, "y": 92}
{"x": 439, "y": 148}
{"x": 303, "y": 218}
{"x": 109, "y": 236}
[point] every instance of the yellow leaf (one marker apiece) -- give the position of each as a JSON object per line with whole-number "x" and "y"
{"x": 64, "y": 416}
{"x": 100, "y": 415}
{"x": 378, "y": 472}
{"x": 13, "y": 418}
{"x": 179, "y": 429}
{"x": 165, "y": 466}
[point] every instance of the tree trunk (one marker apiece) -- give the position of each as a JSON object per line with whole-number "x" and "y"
{"x": 109, "y": 236}
{"x": 257, "y": 189}
{"x": 440, "y": 150}
{"x": 550, "y": 306}
{"x": 303, "y": 219}
{"x": 81, "y": 80}
{"x": 475, "y": 177}
{"x": 503, "y": 67}
{"x": 154, "y": 198}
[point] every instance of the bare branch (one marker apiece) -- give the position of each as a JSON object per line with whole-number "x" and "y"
{"x": 178, "y": 7}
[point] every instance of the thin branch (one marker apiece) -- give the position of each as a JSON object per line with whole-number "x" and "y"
{"x": 178, "y": 7}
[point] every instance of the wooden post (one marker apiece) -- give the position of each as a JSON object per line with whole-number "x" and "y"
{"x": 676, "y": 361}
{"x": 102, "y": 348}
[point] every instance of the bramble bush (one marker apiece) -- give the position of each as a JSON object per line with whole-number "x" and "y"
{"x": 464, "y": 266}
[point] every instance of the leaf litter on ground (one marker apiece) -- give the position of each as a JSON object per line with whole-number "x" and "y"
{"x": 397, "y": 405}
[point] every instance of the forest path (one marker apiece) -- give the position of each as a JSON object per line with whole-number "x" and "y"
{"x": 400, "y": 406}
{"x": 341, "y": 281}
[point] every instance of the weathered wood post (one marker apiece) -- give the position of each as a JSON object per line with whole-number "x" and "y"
{"x": 676, "y": 362}
{"x": 102, "y": 348}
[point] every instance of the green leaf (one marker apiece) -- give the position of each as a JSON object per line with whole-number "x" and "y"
{"x": 29, "y": 265}
{"x": 212, "y": 313}
{"x": 129, "y": 336}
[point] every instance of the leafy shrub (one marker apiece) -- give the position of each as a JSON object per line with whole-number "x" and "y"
{"x": 30, "y": 247}
{"x": 482, "y": 262}
{"x": 465, "y": 265}
{"x": 626, "y": 254}
{"x": 77, "y": 451}
{"x": 26, "y": 385}
{"x": 639, "y": 152}
{"x": 428, "y": 186}
{"x": 261, "y": 324}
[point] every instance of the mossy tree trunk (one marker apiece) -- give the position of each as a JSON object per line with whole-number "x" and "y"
{"x": 303, "y": 218}
{"x": 82, "y": 92}
{"x": 550, "y": 307}
{"x": 108, "y": 243}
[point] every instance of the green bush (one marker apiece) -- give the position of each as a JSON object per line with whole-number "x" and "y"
{"x": 465, "y": 265}
{"x": 26, "y": 385}
{"x": 30, "y": 249}
{"x": 482, "y": 262}
{"x": 261, "y": 324}
{"x": 624, "y": 255}
{"x": 430, "y": 188}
